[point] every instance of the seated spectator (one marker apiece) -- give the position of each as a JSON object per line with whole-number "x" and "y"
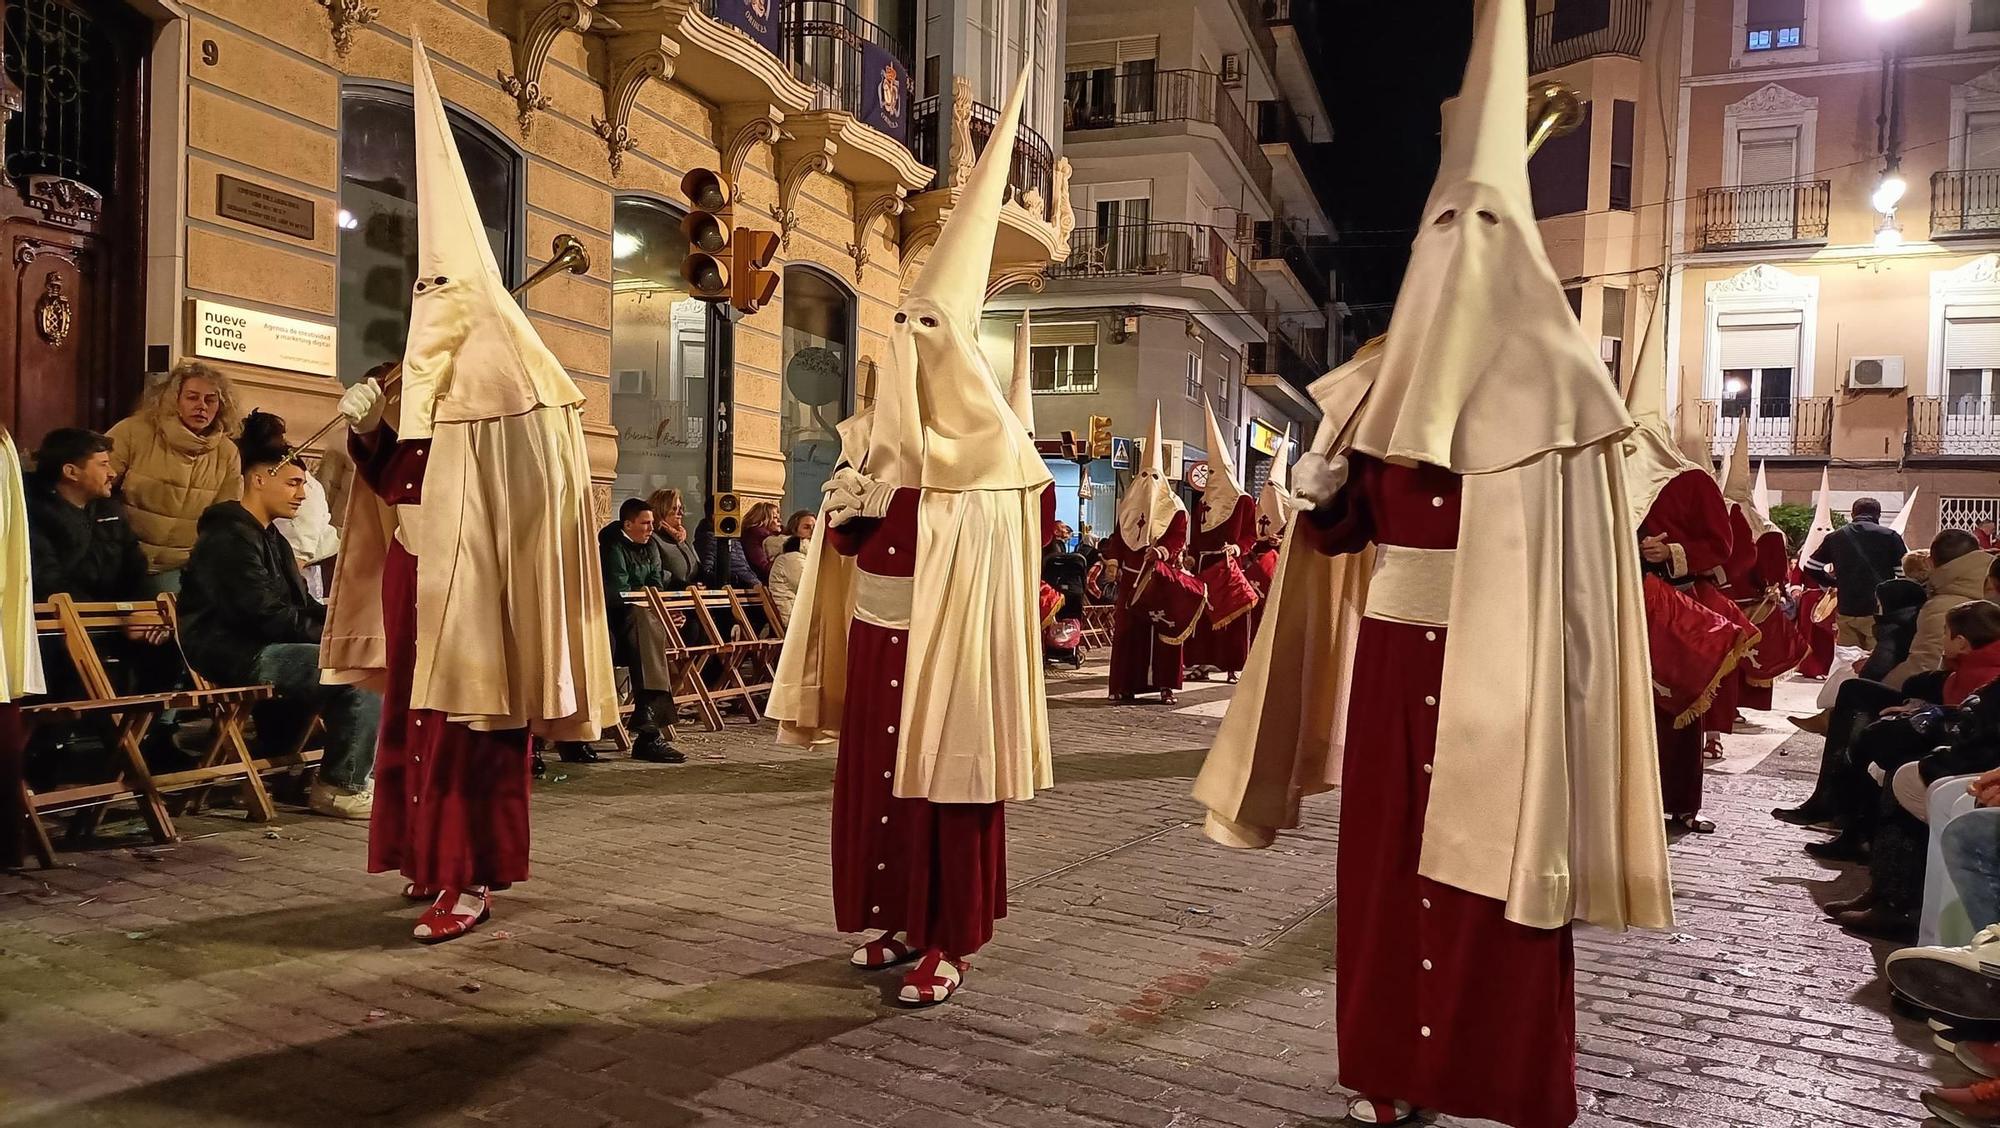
{"x": 1982, "y": 531}
{"x": 724, "y": 562}
{"x": 175, "y": 459}
{"x": 1896, "y": 623}
{"x": 788, "y": 567}
{"x": 632, "y": 563}
{"x": 670, "y": 535}
{"x": 1904, "y": 732}
{"x": 760, "y": 528}
{"x": 1960, "y": 572}
{"x": 311, "y": 533}
{"x": 247, "y": 619}
{"x": 78, "y": 539}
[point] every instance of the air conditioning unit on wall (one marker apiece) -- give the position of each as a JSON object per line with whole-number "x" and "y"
{"x": 1875, "y": 373}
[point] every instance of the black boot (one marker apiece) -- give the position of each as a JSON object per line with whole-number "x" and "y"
{"x": 576, "y": 752}
{"x": 1846, "y": 846}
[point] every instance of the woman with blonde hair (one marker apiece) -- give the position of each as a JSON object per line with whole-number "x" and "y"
{"x": 759, "y": 526}
{"x": 176, "y": 458}
{"x": 670, "y": 533}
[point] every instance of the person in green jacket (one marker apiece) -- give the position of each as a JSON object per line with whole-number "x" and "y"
{"x": 632, "y": 563}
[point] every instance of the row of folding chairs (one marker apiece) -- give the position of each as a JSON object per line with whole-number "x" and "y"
{"x": 1097, "y": 626}
{"x": 123, "y": 720}
{"x": 722, "y": 648}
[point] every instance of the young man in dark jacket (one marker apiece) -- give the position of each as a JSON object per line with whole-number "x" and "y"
{"x": 632, "y": 563}
{"x": 78, "y": 539}
{"x": 1862, "y": 554}
{"x": 247, "y": 619}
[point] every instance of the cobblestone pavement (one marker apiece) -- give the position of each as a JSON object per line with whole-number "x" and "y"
{"x": 673, "y": 962}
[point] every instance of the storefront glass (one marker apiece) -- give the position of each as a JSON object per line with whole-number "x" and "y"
{"x": 818, "y": 389}
{"x": 662, "y": 399}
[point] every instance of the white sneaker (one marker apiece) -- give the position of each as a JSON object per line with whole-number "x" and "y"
{"x": 1982, "y": 955}
{"x": 340, "y": 802}
{"x": 1364, "y": 1111}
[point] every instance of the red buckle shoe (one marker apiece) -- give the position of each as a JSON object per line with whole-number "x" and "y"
{"x": 931, "y": 982}
{"x": 449, "y": 917}
{"x": 883, "y": 951}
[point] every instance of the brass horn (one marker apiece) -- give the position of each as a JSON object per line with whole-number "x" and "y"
{"x": 1555, "y": 109}
{"x": 568, "y": 255}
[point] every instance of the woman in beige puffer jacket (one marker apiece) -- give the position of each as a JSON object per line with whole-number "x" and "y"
{"x": 176, "y": 459}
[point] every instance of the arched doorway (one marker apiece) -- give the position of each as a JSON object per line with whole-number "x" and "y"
{"x": 818, "y": 381}
{"x": 378, "y": 216}
{"x": 662, "y": 390}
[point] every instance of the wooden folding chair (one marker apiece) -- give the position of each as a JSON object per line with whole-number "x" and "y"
{"x": 1097, "y": 623}
{"x": 227, "y": 759}
{"x": 228, "y": 710}
{"x": 717, "y": 610}
{"x": 128, "y": 717}
{"x": 760, "y": 642}
{"x": 690, "y": 660}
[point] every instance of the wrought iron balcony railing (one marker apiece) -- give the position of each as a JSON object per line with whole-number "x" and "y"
{"x": 1134, "y": 249}
{"x": 1032, "y": 169}
{"x": 1965, "y": 202}
{"x": 1148, "y": 97}
{"x": 1574, "y": 32}
{"x": 1279, "y": 124}
{"x": 1276, "y": 239}
{"x": 1945, "y": 426}
{"x": 1284, "y": 355}
{"x": 1765, "y": 215}
{"x": 842, "y": 56}
{"x": 1801, "y": 427}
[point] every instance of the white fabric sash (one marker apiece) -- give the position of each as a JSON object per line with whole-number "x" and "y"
{"x": 883, "y": 601}
{"x": 1412, "y": 585}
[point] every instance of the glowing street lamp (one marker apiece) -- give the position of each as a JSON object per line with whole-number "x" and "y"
{"x": 1889, "y": 191}
{"x": 1888, "y": 236}
{"x": 1890, "y": 9}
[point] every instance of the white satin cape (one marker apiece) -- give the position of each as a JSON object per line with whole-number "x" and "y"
{"x": 20, "y": 654}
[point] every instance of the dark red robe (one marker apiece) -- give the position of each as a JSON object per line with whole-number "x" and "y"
{"x": 1260, "y": 564}
{"x": 1820, "y": 634}
{"x": 936, "y": 872}
{"x": 1759, "y": 590}
{"x": 1140, "y": 662}
{"x": 1440, "y": 1000}
{"x": 1225, "y": 648}
{"x": 1691, "y": 513}
{"x": 451, "y": 803}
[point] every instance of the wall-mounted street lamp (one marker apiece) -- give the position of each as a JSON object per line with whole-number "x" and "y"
{"x": 1890, "y": 9}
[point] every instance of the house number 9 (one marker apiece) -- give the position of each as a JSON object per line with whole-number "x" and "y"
{"x": 210, "y": 53}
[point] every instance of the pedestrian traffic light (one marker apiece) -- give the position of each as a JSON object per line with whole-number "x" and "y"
{"x": 750, "y": 285}
{"x": 1100, "y": 436}
{"x": 711, "y": 208}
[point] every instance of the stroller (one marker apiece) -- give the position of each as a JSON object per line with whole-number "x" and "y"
{"x": 1062, "y": 639}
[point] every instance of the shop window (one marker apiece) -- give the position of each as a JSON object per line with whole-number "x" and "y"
{"x": 378, "y": 216}
{"x": 662, "y": 394}
{"x": 1559, "y": 175}
{"x": 818, "y": 388}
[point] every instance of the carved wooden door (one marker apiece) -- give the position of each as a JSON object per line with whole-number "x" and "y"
{"x": 72, "y": 207}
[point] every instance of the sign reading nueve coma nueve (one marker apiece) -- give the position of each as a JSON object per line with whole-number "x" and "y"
{"x": 251, "y": 336}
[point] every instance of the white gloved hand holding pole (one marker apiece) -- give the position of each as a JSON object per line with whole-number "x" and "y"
{"x": 850, "y": 494}
{"x": 362, "y": 406}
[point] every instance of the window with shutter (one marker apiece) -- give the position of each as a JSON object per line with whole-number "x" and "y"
{"x": 1621, "y": 154}
{"x": 1559, "y": 175}
{"x": 1767, "y": 156}
{"x": 1985, "y": 16}
{"x": 1774, "y": 24}
{"x": 1982, "y": 139}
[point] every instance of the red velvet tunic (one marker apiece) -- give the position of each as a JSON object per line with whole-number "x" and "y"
{"x": 1260, "y": 564}
{"x": 1782, "y": 644}
{"x": 1227, "y": 648}
{"x": 934, "y": 871}
{"x": 1820, "y": 635}
{"x": 1441, "y": 1001}
{"x": 451, "y": 803}
{"x": 1690, "y": 513}
{"x": 1140, "y": 662}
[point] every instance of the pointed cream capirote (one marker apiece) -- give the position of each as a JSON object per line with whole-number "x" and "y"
{"x": 1219, "y": 495}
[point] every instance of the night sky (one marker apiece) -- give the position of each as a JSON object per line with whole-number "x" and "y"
{"x": 1383, "y": 70}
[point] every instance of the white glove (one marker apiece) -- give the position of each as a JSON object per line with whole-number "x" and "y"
{"x": 1231, "y": 551}
{"x": 849, "y": 494}
{"x": 1317, "y": 479}
{"x": 362, "y": 405}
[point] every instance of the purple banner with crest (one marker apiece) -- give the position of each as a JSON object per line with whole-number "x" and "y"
{"x": 885, "y": 92}
{"x": 756, "y": 18}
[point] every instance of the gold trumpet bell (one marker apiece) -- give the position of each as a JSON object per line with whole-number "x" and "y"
{"x": 1554, "y": 109}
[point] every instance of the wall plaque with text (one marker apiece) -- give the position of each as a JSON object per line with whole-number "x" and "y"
{"x": 249, "y": 202}
{"x": 251, "y": 336}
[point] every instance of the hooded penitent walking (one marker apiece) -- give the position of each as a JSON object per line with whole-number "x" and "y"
{"x": 1225, "y": 529}
{"x": 914, "y": 640}
{"x": 1684, "y": 538}
{"x": 1755, "y": 579}
{"x": 1462, "y": 609}
{"x": 1274, "y": 513}
{"x": 469, "y": 590}
{"x": 1158, "y": 603}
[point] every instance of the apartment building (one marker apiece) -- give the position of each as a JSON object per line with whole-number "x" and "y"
{"x": 177, "y": 165}
{"x": 1196, "y": 270}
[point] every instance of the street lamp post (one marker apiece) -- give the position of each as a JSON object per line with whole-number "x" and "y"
{"x": 1890, "y": 185}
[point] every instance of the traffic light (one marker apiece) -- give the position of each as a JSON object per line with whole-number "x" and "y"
{"x": 750, "y": 285}
{"x": 1100, "y": 436}
{"x": 711, "y": 208}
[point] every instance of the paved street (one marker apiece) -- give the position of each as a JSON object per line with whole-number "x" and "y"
{"x": 674, "y": 962}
